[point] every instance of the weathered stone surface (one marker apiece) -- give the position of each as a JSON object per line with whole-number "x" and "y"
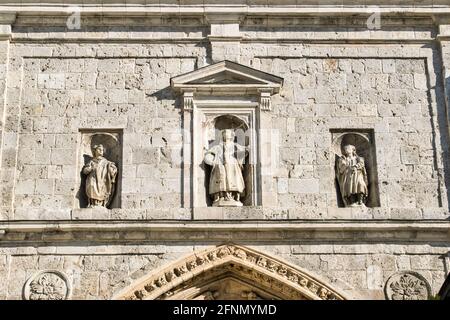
{"x": 115, "y": 76}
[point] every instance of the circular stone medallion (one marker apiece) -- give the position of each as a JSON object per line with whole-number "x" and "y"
{"x": 407, "y": 285}
{"x": 47, "y": 285}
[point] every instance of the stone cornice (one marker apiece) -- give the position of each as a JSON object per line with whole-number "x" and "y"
{"x": 5, "y": 31}
{"x": 444, "y": 30}
{"x": 443, "y": 23}
{"x": 139, "y": 231}
{"x": 6, "y": 20}
{"x": 222, "y": 10}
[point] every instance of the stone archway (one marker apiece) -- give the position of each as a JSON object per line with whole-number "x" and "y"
{"x": 229, "y": 271}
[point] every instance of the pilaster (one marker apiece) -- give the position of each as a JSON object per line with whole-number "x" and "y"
{"x": 224, "y": 37}
{"x": 443, "y": 22}
{"x": 7, "y": 138}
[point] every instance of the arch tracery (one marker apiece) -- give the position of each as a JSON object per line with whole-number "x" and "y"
{"x": 259, "y": 274}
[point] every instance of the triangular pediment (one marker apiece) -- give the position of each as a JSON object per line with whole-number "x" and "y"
{"x": 227, "y": 75}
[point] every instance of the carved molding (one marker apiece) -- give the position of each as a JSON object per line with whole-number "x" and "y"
{"x": 188, "y": 101}
{"x": 211, "y": 8}
{"x": 265, "y": 100}
{"x": 7, "y": 18}
{"x": 87, "y": 231}
{"x": 47, "y": 285}
{"x": 255, "y": 266}
{"x": 407, "y": 285}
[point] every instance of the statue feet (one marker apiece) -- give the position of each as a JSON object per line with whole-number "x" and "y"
{"x": 357, "y": 204}
{"x": 227, "y": 199}
{"x": 227, "y": 203}
{"x": 94, "y": 203}
{"x": 356, "y": 200}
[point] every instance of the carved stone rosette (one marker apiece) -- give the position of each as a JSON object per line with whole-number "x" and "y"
{"x": 254, "y": 266}
{"x": 407, "y": 285}
{"x": 47, "y": 285}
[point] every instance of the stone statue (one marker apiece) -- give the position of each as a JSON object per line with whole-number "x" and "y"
{"x": 352, "y": 177}
{"x": 101, "y": 178}
{"x": 226, "y": 184}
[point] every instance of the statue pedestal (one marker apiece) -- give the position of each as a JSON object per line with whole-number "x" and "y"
{"x": 227, "y": 203}
{"x": 356, "y": 205}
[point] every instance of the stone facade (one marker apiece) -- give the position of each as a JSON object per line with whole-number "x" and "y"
{"x": 150, "y": 85}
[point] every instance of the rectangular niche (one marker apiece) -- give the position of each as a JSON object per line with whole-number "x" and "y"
{"x": 364, "y": 142}
{"x": 111, "y": 140}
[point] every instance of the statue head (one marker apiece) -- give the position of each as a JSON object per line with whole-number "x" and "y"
{"x": 228, "y": 135}
{"x": 98, "y": 150}
{"x": 349, "y": 150}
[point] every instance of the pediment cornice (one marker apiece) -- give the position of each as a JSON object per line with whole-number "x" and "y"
{"x": 224, "y": 76}
{"x": 227, "y": 78}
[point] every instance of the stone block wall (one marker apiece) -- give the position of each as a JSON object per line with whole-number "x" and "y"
{"x": 5, "y": 147}
{"x": 64, "y": 93}
{"x": 100, "y": 271}
{"x": 394, "y": 92}
{"x": 390, "y": 96}
{"x": 56, "y": 84}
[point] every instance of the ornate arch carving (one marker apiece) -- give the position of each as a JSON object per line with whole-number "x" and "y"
{"x": 278, "y": 278}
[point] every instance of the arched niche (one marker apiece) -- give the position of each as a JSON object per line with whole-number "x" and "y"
{"x": 363, "y": 140}
{"x": 112, "y": 143}
{"x": 228, "y": 121}
{"x": 240, "y": 126}
{"x": 229, "y": 271}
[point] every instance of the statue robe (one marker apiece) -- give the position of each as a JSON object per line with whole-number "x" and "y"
{"x": 227, "y": 165}
{"x": 352, "y": 181}
{"x": 100, "y": 180}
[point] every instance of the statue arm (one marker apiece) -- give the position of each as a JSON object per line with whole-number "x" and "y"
{"x": 241, "y": 153}
{"x": 87, "y": 168}
{"x": 112, "y": 170}
{"x": 362, "y": 167}
{"x": 360, "y": 164}
{"x": 342, "y": 165}
{"x": 210, "y": 158}
{"x": 241, "y": 148}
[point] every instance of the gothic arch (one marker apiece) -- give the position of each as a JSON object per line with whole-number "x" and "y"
{"x": 258, "y": 274}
